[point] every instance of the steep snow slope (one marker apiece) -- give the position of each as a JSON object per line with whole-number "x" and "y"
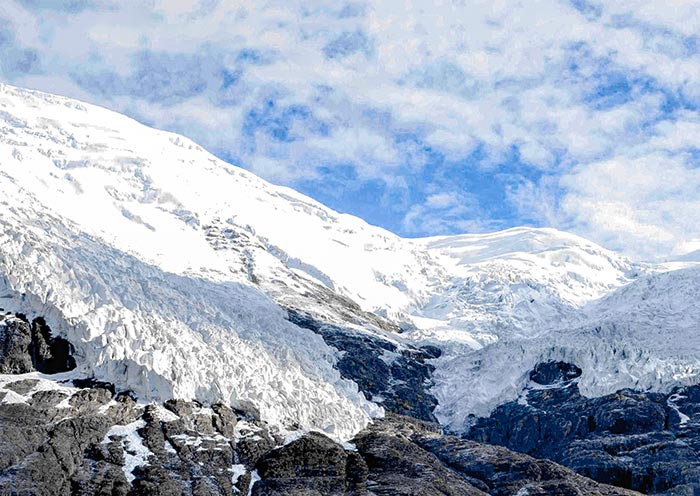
{"x": 167, "y": 268}
{"x": 102, "y": 233}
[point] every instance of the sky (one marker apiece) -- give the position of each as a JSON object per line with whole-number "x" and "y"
{"x": 423, "y": 117}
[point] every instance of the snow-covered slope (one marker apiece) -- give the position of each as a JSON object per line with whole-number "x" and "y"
{"x": 106, "y": 232}
{"x": 517, "y": 282}
{"x": 170, "y": 271}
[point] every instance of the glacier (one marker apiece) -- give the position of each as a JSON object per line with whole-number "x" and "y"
{"x": 170, "y": 271}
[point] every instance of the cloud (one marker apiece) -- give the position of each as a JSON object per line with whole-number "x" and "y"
{"x": 648, "y": 204}
{"x": 459, "y": 116}
{"x": 70, "y": 6}
{"x": 15, "y": 61}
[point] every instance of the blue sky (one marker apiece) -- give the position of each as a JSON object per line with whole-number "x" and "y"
{"x": 423, "y": 117}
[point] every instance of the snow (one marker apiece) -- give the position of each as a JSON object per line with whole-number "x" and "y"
{"x": 168, "y": 446}
{"x": 166, "y": 268}
{"x": 684, "y": 419}
{"x": 254, "y": 477}
{"x": 237, "y": 471}
{"x": 80, "y": 187}
{"x": 43, "y": 382}
{"x": 642, "y": 335}
{"x": 135, "y": 453}
{"x": 164, "y": 415}
{"x": 12, "y": 398}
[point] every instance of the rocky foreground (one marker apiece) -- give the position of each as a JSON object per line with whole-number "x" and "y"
{"x": 645, "y": 441}
{"x": 61, "y": 434}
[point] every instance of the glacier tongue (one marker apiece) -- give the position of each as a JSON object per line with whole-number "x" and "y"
{"x": 169, "y": 270}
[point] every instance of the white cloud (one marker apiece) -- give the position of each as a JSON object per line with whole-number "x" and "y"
{"x": 648, "y": 205}
{"x": 587, "y": 99}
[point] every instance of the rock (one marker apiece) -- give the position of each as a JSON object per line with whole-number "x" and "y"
{"x": 552, "y": 372}
{"x": 45, "y": 450}
{"x": 15, "y": 339}
{"x": 398, "y": 379}
{"x": 50, "y": 355}
{"x": 253, "y": 444}
{"x": 398, "y": 466}
{"x": 90, "y": 399}
{"x": 45, "y": 400}
{"x": 503, "y": 472}
{"x": 629, "y": 439}
{"x": 225, "y": 420}
{"x": 26, "y": 347}
{"x": 313, "y": 464}
{"x": 90, "y": 382}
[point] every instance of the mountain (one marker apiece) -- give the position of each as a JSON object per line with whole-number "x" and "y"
{"x": 128, "y": 239}
{"x": 194, "y": 289}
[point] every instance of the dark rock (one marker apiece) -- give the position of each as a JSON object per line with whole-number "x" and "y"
{"x": 15, "y": 339}
{"x": 26, "y": 347}
{"x": 503, "y": 472}
{"x": 629, "y": 439}
{"x": 225, "y": 420}
{"x": 45, "y": 400}
{"x": 91, "y": 382}
{"x": 180, "y": 408}
{"x": 431, "y": 351}
{"x": 552, "y": 372}
{"x": 313, "y": 464}
{"x": 90, "y": 399}
{"x": 253, "y": 445}
{"x": 50, "y": 355}
{"x": 399, "y": 379}
{"x": 398, "y": 466}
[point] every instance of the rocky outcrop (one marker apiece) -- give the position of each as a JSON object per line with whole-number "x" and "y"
{"x": 311, "y": 465}
{"x": 403, "y": 456}
{"x": 548, "y": 373}
{"x": 59, "y": 438}
{"x": 397, "y": 378}
{"x": 25, "y": 347}
{"x": 649, "y": 442}
{"x": 86, "y": 441}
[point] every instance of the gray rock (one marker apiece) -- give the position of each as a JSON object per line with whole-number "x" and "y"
{"x": 15, "y": 339}
{"x": 400, "y": 379}
{"x": 629, "y": 439}
{"x": 26, "y": 347}
{"x": 311, "y": 465}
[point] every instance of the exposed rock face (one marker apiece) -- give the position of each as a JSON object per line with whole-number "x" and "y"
{"x": 399, "y": 466}
{"x": 404, "y": 456}
{"x": 649, "y": 442}
{"x": 25, "y": 347}
{"x": 70, "y": 441}
{"x": 548, "y": 373}
{"x": 85, "y": 441}
{"x": 311, "y": 465}
{"x": 397, "y": 378}
{"x": 43, "y": 441}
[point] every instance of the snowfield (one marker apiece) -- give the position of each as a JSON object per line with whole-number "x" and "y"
{"x": 168, "y": 269}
